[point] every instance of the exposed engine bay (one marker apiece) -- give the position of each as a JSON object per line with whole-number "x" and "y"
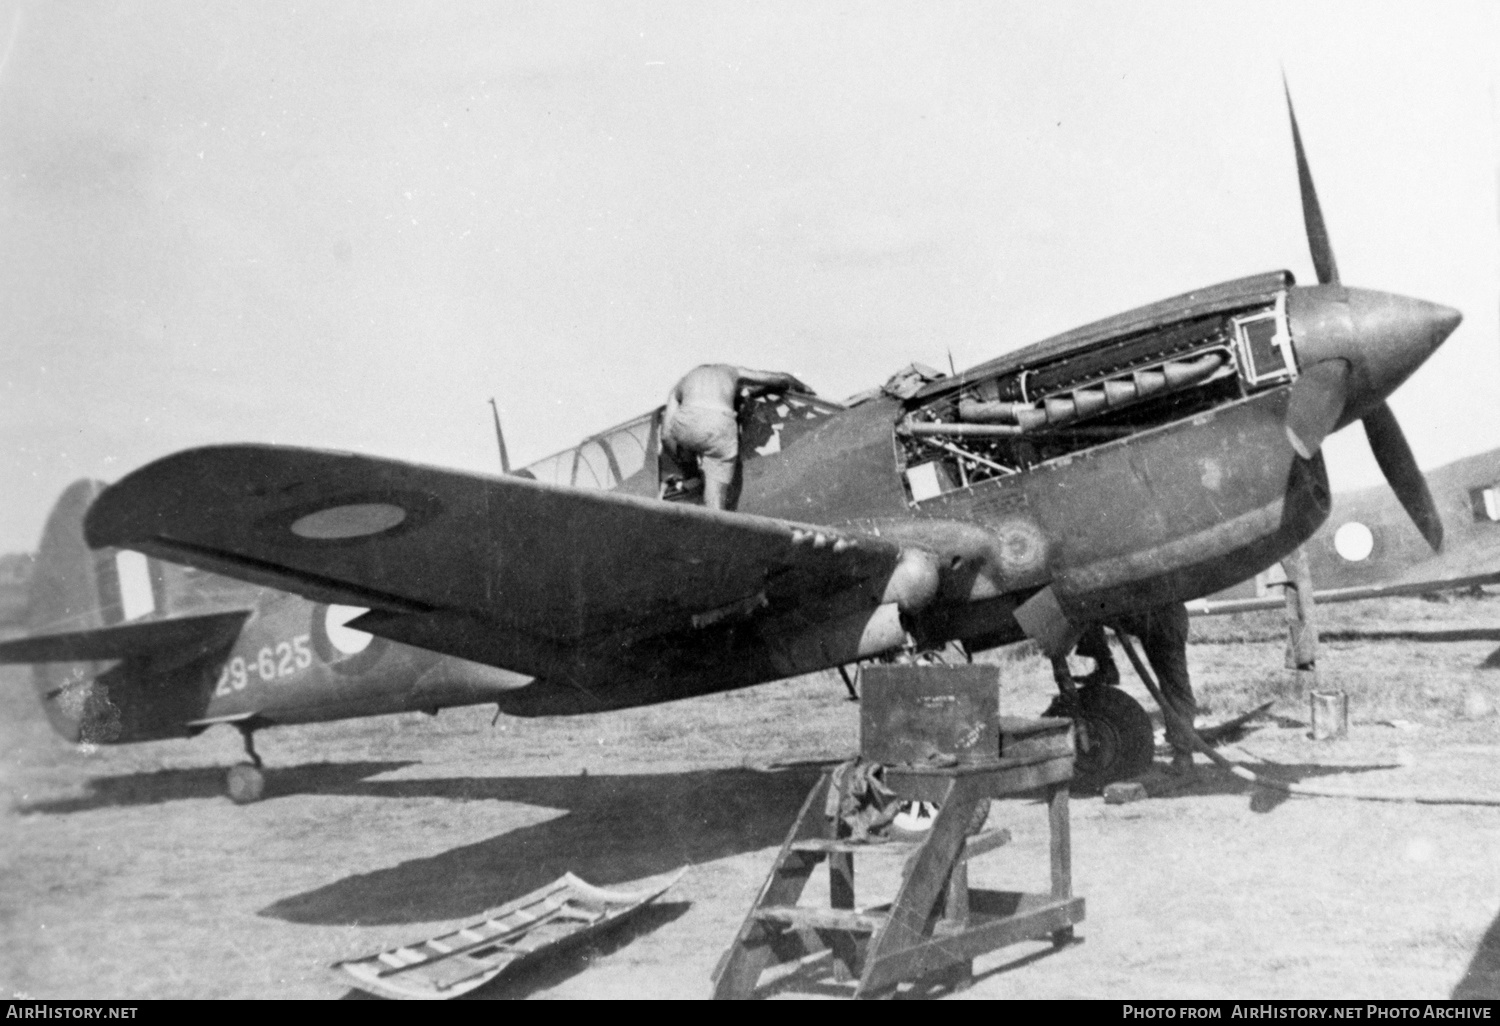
{"x": 1014, "y": 420}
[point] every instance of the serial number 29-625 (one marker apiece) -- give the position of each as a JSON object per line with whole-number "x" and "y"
{"x": 270, "y": 663}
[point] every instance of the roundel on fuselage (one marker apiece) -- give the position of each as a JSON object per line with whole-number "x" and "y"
{"x": 1353, "y": 542}
{"x": 343, "y": 637}
{"x": 345, "y": 648}
{"x": 1022, "y": 550}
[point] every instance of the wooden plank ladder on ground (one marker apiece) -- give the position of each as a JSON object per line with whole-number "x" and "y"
{"x": 935, "y": 924}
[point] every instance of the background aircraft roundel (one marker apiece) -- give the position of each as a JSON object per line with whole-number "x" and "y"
{"x": 1353, "y": 541}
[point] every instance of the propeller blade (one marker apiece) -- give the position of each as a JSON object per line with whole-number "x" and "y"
{"x": 1400, "y": 469}
{"x": 1315, "y": 405}
{"x": 1312, "y": 214}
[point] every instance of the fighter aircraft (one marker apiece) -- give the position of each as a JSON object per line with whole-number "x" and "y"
{"x": 1159, "y": 455}
{"x": 1368, "y": 549}
{"x": 128, "y": 648}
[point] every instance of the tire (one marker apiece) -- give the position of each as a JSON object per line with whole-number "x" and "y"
{"x": 244, "y": 784}
{"x": 916, "y": 817}
{"x": 1121, "y": 743}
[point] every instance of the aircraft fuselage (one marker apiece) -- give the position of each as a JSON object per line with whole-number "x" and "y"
{"x": 129, "y": 648}
{"x": 292, "y": 661}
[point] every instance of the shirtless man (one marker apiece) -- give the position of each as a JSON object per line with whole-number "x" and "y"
{"x": 701, "y": 422}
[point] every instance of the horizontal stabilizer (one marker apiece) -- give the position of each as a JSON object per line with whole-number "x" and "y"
{"x": 125, "y": 640}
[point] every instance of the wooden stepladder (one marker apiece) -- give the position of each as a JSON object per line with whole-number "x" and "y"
{"x": 935, "y": 923}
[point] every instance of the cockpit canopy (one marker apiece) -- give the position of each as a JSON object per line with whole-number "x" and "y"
{"x": 628, "y": 456}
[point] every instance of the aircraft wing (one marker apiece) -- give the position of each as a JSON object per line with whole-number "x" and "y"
{"x": 454, "y": 561}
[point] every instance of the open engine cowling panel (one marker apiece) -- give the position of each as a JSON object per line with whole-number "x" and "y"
{"x": 1006, "y": 423}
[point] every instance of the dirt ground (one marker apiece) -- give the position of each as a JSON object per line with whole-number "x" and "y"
{"x": 124, "y": 872}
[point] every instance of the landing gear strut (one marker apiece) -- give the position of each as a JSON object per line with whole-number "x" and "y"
{"x": 1112, "y": 733}
{"x": 246, "y": 782}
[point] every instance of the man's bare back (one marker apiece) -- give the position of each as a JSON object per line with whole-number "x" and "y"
{"x": 700, "y": 421}
{"x": 716, "y": 386}
{"x": 712, "y": 386}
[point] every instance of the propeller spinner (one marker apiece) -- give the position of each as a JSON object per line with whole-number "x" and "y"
{"x": 1355, "y": 346}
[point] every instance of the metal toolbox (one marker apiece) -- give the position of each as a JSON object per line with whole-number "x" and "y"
{"x": 924, "y": 715}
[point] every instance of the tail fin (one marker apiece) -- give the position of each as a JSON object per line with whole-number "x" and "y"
{"x": 75, "y": 588}
{"x": 66, "y": 581}
{"x": 65, "y": 596}
{"x": 88, "y": 610}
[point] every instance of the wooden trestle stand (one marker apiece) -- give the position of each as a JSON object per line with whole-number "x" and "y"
{"x": 936, "y": 924}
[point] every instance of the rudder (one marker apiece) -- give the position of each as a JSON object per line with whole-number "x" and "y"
{"x": 74, "y": 588}
{"x": 121, "y": 646}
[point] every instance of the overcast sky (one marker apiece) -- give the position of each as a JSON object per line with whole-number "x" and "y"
{"x": 348, "y": 225}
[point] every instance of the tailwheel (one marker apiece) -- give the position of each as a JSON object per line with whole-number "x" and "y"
{"x": 245, "y": 783}
{"x": 1115, "y": 741}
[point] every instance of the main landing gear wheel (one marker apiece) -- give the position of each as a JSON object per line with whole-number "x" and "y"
{"x": 1119, "y": 737}
{"x": 245, "y": 783}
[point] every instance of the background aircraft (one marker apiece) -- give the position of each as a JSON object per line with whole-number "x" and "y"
{"x": 129, "y": 648}
{"x": 1368, "y": 548}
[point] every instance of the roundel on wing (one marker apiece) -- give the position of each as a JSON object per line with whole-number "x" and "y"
{"x": 342, "y": 647}
{"x": 351, "y": 520}
{"x": 1353, "y": 542}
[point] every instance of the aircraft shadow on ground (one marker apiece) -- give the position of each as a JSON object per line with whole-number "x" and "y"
{"x": 552, "y": 970}
{"x": 169, "y": 785}
{"x": 1213, "y": 780}
{"x": 1481, "y": 981}
{"x": 1208, "y": 781}
{"x": 616, "y": 829}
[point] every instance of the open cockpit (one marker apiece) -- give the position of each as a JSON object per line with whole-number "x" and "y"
{"x": 629, "y": 456}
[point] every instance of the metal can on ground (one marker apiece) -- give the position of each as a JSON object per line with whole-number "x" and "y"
{"x": 1330, "y": 714}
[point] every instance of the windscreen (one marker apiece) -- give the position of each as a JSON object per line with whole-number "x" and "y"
{"x": 626, "y": 455}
